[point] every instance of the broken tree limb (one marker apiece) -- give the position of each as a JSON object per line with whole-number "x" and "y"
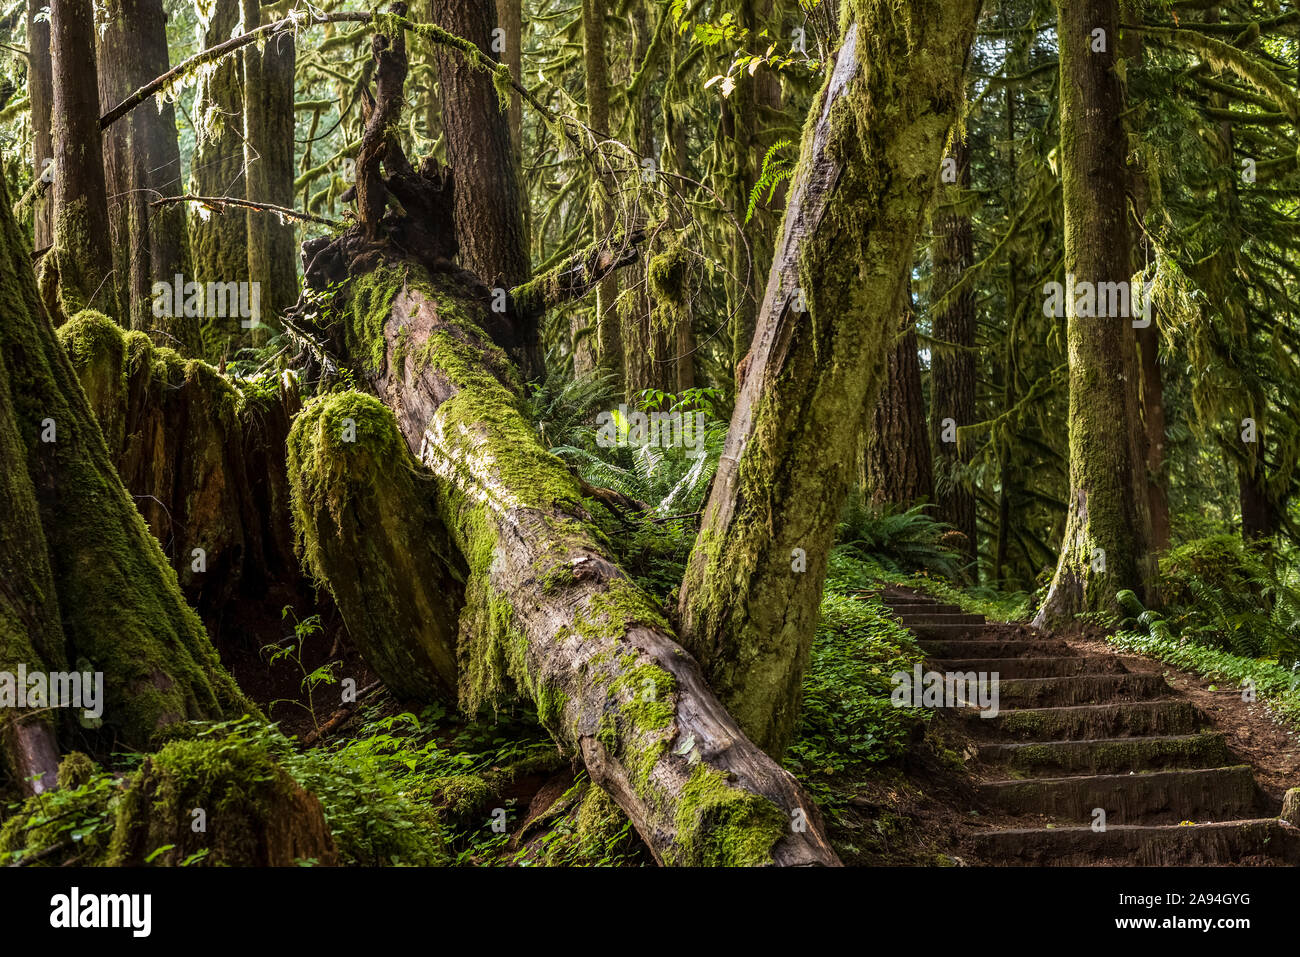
{"x": 548, "y": 614}
{"x": 217, "y": 202}
{"x": 577, "y": 275}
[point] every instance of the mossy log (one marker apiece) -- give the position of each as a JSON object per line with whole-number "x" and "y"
{"x": 202, "y": 458}
{"x": 118, "y": 600}
{"x": 234, "y": 806}
{"x": 547, "y": 614}
{"x": 368, "y": 529}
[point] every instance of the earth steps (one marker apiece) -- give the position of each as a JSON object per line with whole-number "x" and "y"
{"x": 1079, "y": 732}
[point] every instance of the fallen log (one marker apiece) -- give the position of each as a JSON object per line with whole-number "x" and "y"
{"x": 547, "y": 613}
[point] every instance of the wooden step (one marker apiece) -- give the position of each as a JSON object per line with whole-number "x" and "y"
{"x": 911, "y": 620}
{"x": 1082, "y": 722}
{"x": 1034, "y": 667}
{"x": 987, "y": 648}
{"x": 1263, "y": 841}
{"x": 1110, "y": 755}
{"x": 1079, "y": 689}
{"x": 1160, "y": 797}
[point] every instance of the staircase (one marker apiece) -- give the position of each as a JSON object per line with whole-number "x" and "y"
{"x": 1075, "y": 733}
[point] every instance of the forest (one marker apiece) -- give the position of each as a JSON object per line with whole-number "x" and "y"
{"x": 636, "y": 433}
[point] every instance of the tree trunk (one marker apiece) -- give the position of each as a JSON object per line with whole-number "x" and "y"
{"x": 609, "y": 333}
{"x": 203, "y": 461}
{"x": 30, "y": 632}
{"x": 952, "y": 360}
{"x": 546, "y": 614}
{"x": 78, "y": 272}
{"x": 896, "y": 448}
{"x": 489, "y": 199}
{"x": 121, "y": 611}
{"x": 268, "y": 156}
{"x": 1104, "y": 548}
{"x": 650, "y": 332}
{"x": 219, "y": 238}
{"x": 40, "y": 91}
{"x": 142, "y": 162}
{"x": 750, "y": 599}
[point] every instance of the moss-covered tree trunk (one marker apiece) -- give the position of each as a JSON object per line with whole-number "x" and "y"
{"x": 869, "y": 161}
{"x": 219, "y": 238}
{"x": 545, "y": 614}
{"x": 31, "y": 635}
{"x": 1104, "y": 547}
{"x": 142, "y": 162}
{"x": 78, "y": 272}
{"x": 40, "y": 92}
{"x": 204, "y": 461}
{"x": 952, "y": 359}
{"x": 609, "y": 326}
{"x": 121, "y": 611}
{"x": 268, "y": 156}
{"x": 896, "y": 466}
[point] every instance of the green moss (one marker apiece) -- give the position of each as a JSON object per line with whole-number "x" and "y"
{"x": 719, "y": 825}
{"x": 75, "y": 770}
{"x": 367, "y": 526}
{"x": 119, "y": 601}
{"x": 245, "y": 797}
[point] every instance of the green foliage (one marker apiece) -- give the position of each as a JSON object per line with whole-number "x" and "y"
{"x": 1220, "y": 593}
{"x": 669, "y": 480}
{"x": 776, "y": 170}
{"x": 291, "y": 649}
{"x": 903, "y": 542}
{"x": 73, "y": 822}
{"x": 848, "y": 722}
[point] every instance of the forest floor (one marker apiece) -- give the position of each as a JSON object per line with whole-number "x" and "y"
{"x": 1186, "y": 771}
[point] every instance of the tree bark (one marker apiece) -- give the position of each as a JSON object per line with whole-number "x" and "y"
{"x": 268, "y": 156}
{"x": 219, "y": 238}
{"x": 142, "y": 162}
{"x": 119, "y": 605}
{"x": 1104, "y": 548}
{"x": 952, "y": 360}
{"x": 78, "y": 272}
{"x": 489, "y": 199}
{"x": 40, "y": 91}
{"x": 750, "y": 599}
{"x": 896, "y": 447}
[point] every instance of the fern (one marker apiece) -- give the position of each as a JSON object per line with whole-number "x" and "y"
{"x": 775, "y": 171}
